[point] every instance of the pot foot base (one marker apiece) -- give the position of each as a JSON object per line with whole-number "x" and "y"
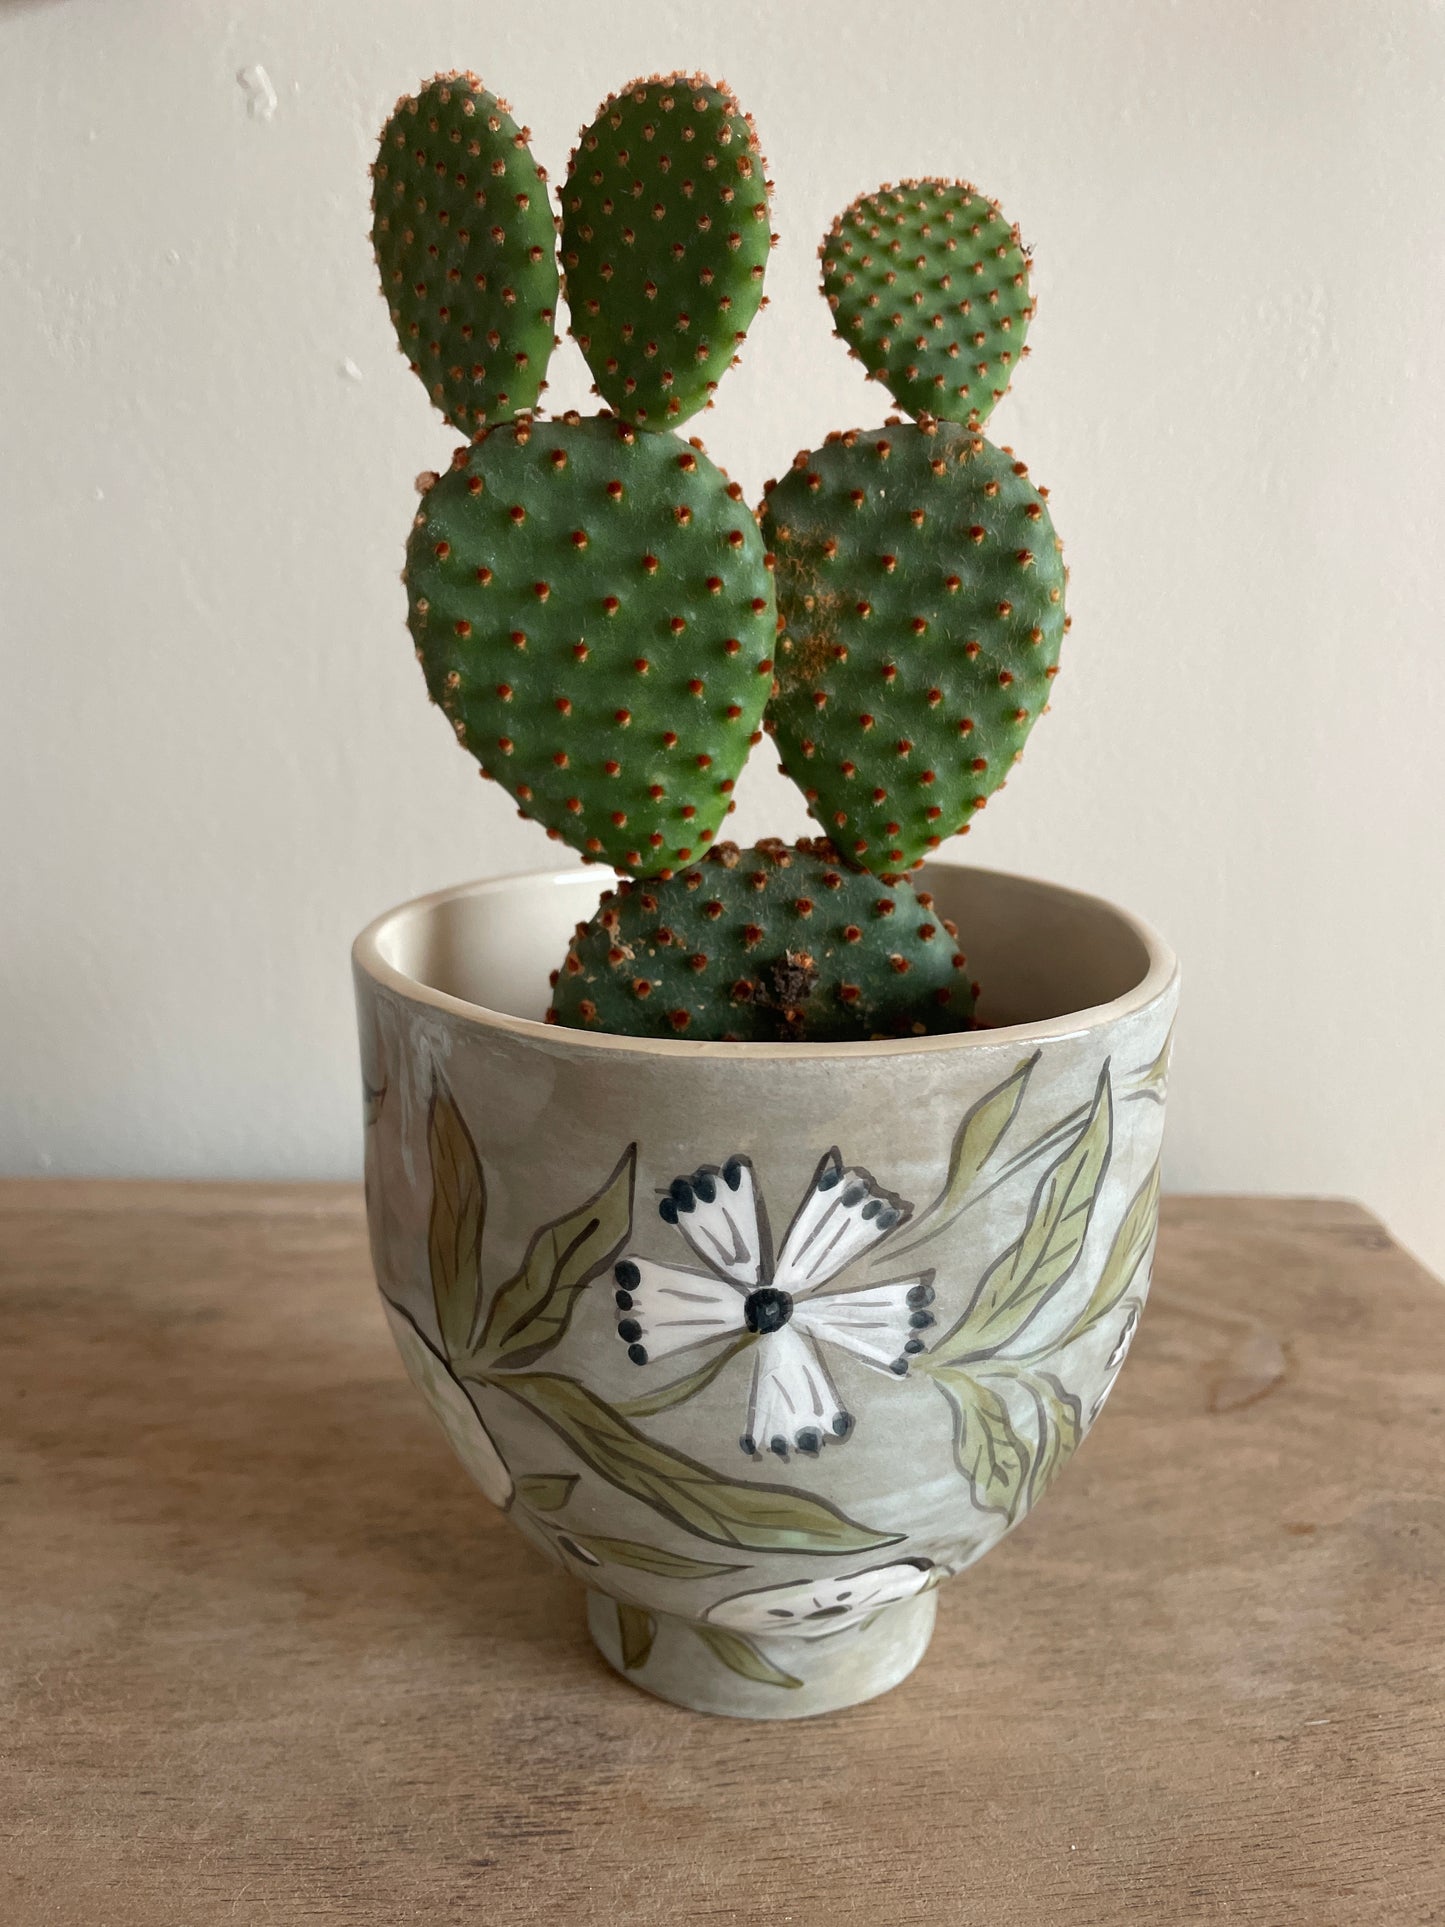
{"x": 710, "y": 1670}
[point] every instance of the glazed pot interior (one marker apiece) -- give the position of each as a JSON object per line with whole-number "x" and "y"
{"x": 1041, "y": 953}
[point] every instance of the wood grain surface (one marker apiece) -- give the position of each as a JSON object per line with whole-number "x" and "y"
{"x": 268, "y": 1658}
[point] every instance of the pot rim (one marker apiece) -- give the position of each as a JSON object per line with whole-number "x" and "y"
{"x": 368, "y": 957}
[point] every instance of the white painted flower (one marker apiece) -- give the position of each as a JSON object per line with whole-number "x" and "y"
{"x": 450, "y": 1407}
{"x": 793, "y": 1307}
{"x": 818, "y": 1608}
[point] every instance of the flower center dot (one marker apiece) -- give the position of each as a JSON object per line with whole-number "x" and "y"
{"x": 767, "y": 1309}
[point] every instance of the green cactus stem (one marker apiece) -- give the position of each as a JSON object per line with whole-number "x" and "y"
{"x": 777, "y": 943}
{"x": 929, "y": 287}
{"x": 467, "y": 250}
{"x": 921, "y": 607}
{"x": 665, "y": 241}
{"x": 594, "y": 612}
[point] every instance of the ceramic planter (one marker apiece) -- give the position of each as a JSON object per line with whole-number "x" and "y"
{"x": 762, "y": 1342}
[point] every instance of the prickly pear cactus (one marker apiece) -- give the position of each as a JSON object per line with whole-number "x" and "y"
{"x": 665, "y": 240}
{"x": 773, "y": 943}
{"x": 465, "y": 241}
{"x": 929, "y": 287}
{"x": 921, "y": 607}
{"x": 594, "y": 612}
{"x": 594, "y": 604}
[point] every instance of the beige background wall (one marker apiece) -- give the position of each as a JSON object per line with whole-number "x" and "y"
{"x": 217, "y": 759}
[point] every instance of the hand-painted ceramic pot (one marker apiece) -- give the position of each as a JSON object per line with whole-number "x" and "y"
{"x": 761, "y": 1342}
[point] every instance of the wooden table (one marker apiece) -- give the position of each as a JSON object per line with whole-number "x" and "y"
{"x": 268, "y": 1658}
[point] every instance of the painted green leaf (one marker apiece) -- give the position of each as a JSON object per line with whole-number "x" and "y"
{"x": 452, "y": 1405}
{"x": 740, "y": 1655}
{"x": 1113, "y": 1365}
{"x": 546, "y": 1491}
{"x": 1061, "y": 1426}
{"x": 1019, "y": 1284}
{"x": 654, "y": 1559}
{"x": 667, "y": 1396}
{"x": 979, "y": 1135}
{"x": 454, "y": 1230}
{"x": 1131, "y": 1241}
{"x": 758, "y": 1518}
{"x": 1153, "y": 1081}
{"x": 531, "y": 1311}
{"x": 636, "y": 1631}
{"x": 988, "y": 1450}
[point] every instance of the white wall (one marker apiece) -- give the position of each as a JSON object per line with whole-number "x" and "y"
{"x": 218, "y": 761}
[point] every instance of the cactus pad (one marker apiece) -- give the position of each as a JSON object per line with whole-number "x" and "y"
{"x": 665, "y": 239}
{"x": 776, "y": 943}
{"x": 594, "y": 612}
{"x": 467, "y": 249}
{"x": 929, "y": 287}
{"x": 921, "y": 607}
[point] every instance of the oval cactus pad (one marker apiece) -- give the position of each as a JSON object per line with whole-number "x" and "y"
{"x": 920, "y": 596}
{"x": 774, "y": 943}
{"x": 467, "y": 248}
{"x": 929, "y": 287}
{"x": 594, "y": 612}
{"x": 665, "y": 241}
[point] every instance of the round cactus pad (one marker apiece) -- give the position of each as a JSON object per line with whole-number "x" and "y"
{"x": 665, "y": 240}
{"x": 467, "y": 249}
{"x": 781, "y": 942}
{"x": 921, "y": 607}
{"x": 929, "y": 287}
{"x": 594, "y": 612}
